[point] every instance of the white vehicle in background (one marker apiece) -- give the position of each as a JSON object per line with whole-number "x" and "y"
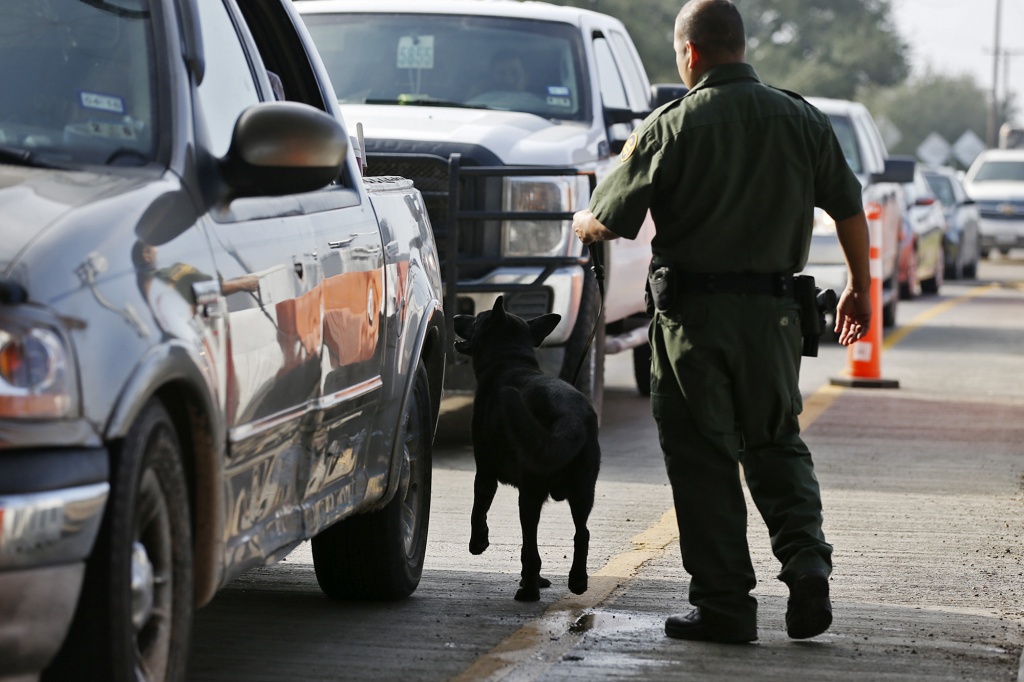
{"x": 502, "y": 112}
{"x": 882, "y": 177}
{"x": 996, "y": 182}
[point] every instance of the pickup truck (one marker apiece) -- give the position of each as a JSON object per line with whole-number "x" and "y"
{"x": 882, "y": 177}
{"x": 216, "y": 339}
{"x": 504, "y": 114}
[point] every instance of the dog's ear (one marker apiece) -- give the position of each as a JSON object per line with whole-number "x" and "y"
{"x": 541, "y": 326}
{"x": 499, "y": 309}
{"x": 464, "y": 325}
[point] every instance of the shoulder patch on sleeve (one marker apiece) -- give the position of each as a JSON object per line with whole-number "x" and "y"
{"x": 627, "y": 149}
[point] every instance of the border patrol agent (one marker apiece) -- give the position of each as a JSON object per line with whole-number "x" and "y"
{"x": 731, "y": 174}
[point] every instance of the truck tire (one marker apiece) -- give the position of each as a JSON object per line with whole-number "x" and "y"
{"x": 134, "y": 616}
{"x": 378, "y": 556}
{"x": 591, "y": 378}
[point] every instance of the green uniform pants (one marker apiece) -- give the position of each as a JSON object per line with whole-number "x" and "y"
{"x": 725, "y": 391}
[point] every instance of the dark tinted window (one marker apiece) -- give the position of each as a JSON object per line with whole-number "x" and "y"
{"x": 476, "y": 62}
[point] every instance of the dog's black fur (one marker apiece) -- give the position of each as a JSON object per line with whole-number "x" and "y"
{"x": 532, "y": 431}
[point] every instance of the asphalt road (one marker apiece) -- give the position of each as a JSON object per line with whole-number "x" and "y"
{"x": 923, "y": 487}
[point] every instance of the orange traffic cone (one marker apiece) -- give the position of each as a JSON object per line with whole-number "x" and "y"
{"x": 864, "y": 358}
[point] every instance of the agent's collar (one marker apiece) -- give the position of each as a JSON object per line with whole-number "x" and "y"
{"x": 726, "y": 73}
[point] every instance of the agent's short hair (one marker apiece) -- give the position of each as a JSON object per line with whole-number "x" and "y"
{"x": 714, "y": 26}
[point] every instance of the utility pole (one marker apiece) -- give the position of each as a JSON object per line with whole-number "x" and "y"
{"x": 993, "y": 112}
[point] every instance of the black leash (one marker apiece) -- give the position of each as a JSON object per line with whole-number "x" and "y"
{"x": 597, "y": 265}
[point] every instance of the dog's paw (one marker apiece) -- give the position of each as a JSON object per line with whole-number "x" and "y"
{"x": 541, "y": 582}
{"x": 577, "y": 583}
{"x": 477, "y": 546}
{"x": 528, "y": 594}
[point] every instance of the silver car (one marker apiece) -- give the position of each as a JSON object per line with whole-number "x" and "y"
{"x": 996, "y": 182}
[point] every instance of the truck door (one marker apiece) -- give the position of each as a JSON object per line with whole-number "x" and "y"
{"x": 266, "y": 261}
{"x": 350, "y": 290}
{"x": 623, "y": 87}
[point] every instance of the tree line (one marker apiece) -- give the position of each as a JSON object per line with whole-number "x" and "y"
{"x": 846, "y": 49}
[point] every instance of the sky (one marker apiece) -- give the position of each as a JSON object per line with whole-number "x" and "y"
{"x": 958, "y": 36}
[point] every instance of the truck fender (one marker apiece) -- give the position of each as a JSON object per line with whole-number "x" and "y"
{"x": 173, "y": 368}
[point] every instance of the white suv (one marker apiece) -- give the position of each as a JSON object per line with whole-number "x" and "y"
{"x": 996, "y": 182}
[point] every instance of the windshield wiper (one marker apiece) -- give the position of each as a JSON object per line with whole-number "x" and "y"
{"x": 23, "y": 157}
{"x": 424, "y": 102}
{"x": 20, "y": 157}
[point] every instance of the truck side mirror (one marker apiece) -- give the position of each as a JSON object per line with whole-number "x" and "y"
{"x": 897, "y": 169}
{"x": 283, "y": 148}
{"x": 663, "y": 93}
{"x": 619, "y": 123}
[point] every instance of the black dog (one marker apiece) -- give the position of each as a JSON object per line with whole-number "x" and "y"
{"x": 532, "y": 431}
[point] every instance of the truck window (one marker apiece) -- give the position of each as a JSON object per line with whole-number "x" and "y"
{"x": 474, "y": 62}
{"x": 636, "y": 82}
{"x": 228, "y": 86}
{"x": 843, "y": 128}
{"x": 613, "y": 91}
{"x": 874, "y": 151}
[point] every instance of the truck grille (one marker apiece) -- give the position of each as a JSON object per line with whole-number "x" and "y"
{"x": 430, "y": 176}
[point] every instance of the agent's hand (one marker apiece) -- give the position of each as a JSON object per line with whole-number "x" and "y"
{"x": 853, "y": 316}
{"x": 589, "y": 229}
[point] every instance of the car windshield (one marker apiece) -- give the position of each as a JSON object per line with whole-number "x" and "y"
{"x": 998, "y": 171}
{"x": 77, "y": 78}
{"x": 445, "y": 60}
{"x": 943, "y": 188}
{"x": 843, "y": 128}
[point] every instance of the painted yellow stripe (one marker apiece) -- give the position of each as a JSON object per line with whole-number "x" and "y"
{"x": 540, "y": 643}
{"x": 899, "y": 334}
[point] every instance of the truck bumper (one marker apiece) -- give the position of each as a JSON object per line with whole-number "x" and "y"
{"x": 1001, "y": 234}
{"x": 561, "y": 291}
{"x": 45, "y": 537}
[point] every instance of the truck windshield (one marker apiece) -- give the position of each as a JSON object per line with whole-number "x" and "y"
{"x": 999, "y": 171}
{"x": 446, "y": 60}
{"x": 77, "y": 79}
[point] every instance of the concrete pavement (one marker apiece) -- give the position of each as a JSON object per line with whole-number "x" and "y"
{"x": 922, "y": 488}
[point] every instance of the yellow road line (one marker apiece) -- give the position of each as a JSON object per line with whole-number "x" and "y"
{"x": 540, "y": 643}
{"x": 899, "y": 334}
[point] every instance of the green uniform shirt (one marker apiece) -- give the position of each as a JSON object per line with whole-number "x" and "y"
{"x": 731, "y": 174}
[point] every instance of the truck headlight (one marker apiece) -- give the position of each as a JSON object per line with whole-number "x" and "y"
{"x": 548, "y": 194}
{"x": 824, "y": 224}
{"x": 37, "y": 378}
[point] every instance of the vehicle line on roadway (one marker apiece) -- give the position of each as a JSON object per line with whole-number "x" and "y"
{"x": 542, "y": 642}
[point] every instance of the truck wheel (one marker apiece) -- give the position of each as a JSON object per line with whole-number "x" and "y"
{"x": 134, "y": 616}
{"x": 378, "y": 556}
{"x": 591, "y": 379}
{"x": 642, "y": 368}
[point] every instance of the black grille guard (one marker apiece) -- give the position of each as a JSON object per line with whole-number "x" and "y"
{"x": 457, "y": 216}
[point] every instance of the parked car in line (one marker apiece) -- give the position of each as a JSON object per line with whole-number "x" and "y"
{"x": 882, "y": 177}
{"x": 925, "y": 220}
{"x": 216, "y": 340}
{"x": 996, "y": 182}
{"x": 963, "y": 240}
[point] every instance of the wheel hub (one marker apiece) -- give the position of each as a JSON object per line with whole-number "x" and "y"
{"x": 142, "y": 586}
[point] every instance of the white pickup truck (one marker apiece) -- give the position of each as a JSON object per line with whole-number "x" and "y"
{"x": 503, "y": 113}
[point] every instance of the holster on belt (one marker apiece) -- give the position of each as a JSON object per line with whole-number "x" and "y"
{"x": 814, "y": 304}
{"x": 661, "y": 290}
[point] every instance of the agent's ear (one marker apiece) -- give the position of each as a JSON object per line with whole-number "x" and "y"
{"x": 541, "y": 326}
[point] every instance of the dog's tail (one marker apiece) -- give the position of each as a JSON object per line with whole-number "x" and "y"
{"x": 546, "y": 449}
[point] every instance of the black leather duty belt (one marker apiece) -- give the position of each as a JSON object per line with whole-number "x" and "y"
{"x": 774, "y": 284}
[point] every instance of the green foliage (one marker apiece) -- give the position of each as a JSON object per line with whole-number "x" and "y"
{"x": 827, "y": 48}
{"x": 947, "y": 105}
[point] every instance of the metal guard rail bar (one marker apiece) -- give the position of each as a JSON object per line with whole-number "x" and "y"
{"x": 456, "y": 216}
